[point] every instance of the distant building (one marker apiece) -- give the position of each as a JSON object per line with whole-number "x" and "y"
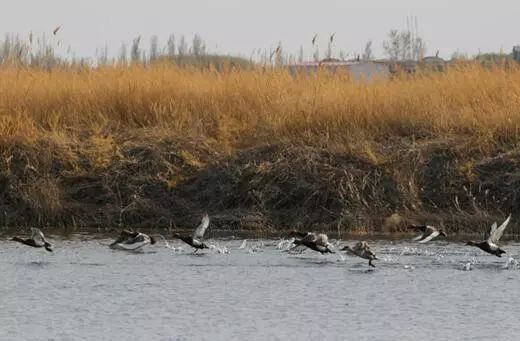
{"x": 359, "y": 69}
{"x": 516, "y": 53}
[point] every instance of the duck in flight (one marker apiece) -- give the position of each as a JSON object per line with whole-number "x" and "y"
{"x": 362, "y": 249}
{"x": 317, "y": 242}
{"x": 129, "y": 240}
{"x": 490, "y": 245}
{"x": 196, "y": 240}
{"x": 428, "y": 233}
{"x": 37, "y": 240}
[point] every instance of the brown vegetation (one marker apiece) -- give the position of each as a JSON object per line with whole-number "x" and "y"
{"x": 258, "y": 149}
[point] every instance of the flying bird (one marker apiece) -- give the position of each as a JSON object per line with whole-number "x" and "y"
{"x": 196, "y": 240}
{"x": 55, "y": 31}
{"x": 362, "y": 249}
{"x": 490, "y": 245}
{"x": 37, "y": 240}
{"x": 332, "y": 37}
{"x": 428, "y": 233}
{"x": 129, "y": 240}
{"x": 317, "y": 242}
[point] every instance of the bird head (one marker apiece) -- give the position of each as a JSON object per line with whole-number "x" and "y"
{"x": 176, "y": 235}
{"x": 443, "y": 233}
{"x": 471, "y": 242}
{"x": 152, "y": 240}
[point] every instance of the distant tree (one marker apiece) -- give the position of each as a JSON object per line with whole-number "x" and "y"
{"x": 198, "y": 46}
{"x": 301, "y": 57}
{"x": 103, "y": 56}
{"x": 135, "y": 51}
{"x": 123, "y": 54}
{"x": 404, "y": 45}
{"x": 367, "y": 53}
{"x": 143, "y": 57}
{"x": 154, "y": 48}
{"x": 183, "y": 47}
{"x": 171, "y": 46}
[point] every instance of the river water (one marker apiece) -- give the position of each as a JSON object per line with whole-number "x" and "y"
{"x": 86, "y": 291}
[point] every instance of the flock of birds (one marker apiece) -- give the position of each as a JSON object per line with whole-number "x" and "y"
{"x": 300, "y": 241}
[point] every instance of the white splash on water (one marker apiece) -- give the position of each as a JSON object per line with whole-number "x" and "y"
{"x": 511, "y": 263}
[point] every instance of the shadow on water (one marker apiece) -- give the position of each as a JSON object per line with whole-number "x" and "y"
{"x": 87, "y": 264}
{"x": 357, "y": 270}
{"x": 38, "y": 264}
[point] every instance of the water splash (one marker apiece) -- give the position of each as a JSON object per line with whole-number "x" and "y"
{"x": 219, "y": 249}
{"x": 243, "y": 245}
{"x": 256, "y": 247}
{"x": 285, "y": 244}
{"x": 511, "y": 264}
{"x": 467, "y": 266}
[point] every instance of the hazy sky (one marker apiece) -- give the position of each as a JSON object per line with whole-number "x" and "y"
{"x": 240, "y": 26}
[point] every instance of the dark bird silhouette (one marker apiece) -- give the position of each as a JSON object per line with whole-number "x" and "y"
{"x": 362, "y": 249}
{"x": 428, "y": 233}
{"x": 317, "y": 242}
{"x": 196, "y": 240}
{"x": 130, "y": 240}
{"x": 490, "y": 244}
{"x": 37, "y": 240}
{"x": 55, "y": 31}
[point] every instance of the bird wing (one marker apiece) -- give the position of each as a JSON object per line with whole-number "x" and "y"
{"x": 491, "y": 230}
{"x": 497, "y": 233}
{"x": 199, "y": 231}
{"x": 322, "y": 239}
{"x": 421, "y": 228}
{"x": 310, "y": 237}
{"x": 38, "y": 234}
{"x": 139, "y": 238}
{"x": 124, "y": 237}
{"x": 419, "y": 237}
{"x": 297, "y": 249}
{"x": 429, "y": 237}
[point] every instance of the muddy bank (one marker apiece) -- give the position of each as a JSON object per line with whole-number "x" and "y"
{"x": 161, "y": 182}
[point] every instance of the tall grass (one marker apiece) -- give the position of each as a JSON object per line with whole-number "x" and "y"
{"x": 239, "y": 108}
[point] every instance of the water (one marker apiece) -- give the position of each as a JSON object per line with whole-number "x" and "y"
{"x": 417, "y": 292}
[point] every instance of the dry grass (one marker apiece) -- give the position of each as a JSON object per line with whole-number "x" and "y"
{"x": 79, "y": 145}
{"x": 241, "y": 108}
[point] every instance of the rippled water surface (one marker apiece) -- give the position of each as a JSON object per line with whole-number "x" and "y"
{"x": 86, "y": 291}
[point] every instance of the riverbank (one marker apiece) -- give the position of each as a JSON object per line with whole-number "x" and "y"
{"x": 260, "y": 151}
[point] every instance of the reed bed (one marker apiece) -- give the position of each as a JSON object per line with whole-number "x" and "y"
{"x": 147, "y": 145}
{"x": 242, "y": 108}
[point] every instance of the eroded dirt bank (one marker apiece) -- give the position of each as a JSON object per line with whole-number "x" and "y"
{"x": 161, "y": 182}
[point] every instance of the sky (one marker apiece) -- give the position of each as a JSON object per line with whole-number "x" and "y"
{"x": 239, "y": 27}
